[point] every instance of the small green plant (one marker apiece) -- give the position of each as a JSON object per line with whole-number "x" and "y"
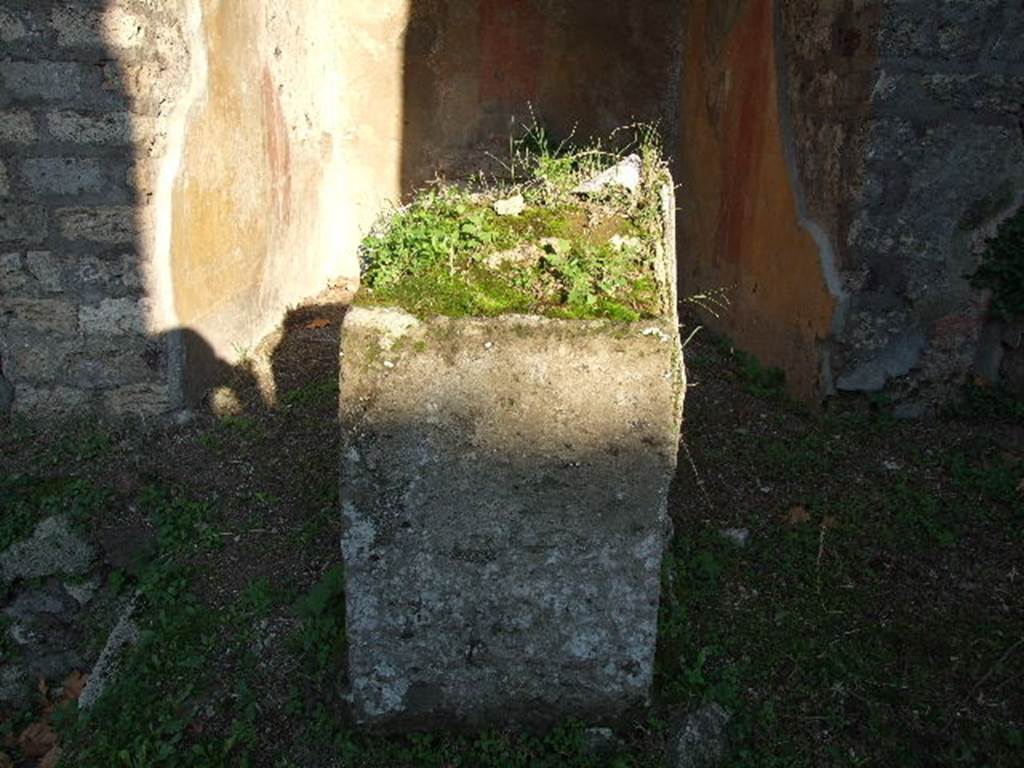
{"x": 1002, "y": 269}
{"x": 25, "y": 500}
{"x": 182, "y": 523}
{"x": 146, "y": 719}
{"x": 321, "y": 638}
{"x": 143, "y": 720}
{"x": 316, "y": 394}
{"x": 918, "y": 512}
{"x": 993, "y": 479}
{"x": 84, "y": 439}
{"x": 761, "y": 380}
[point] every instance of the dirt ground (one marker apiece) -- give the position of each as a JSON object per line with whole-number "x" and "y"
{"x": 847, "y": 585}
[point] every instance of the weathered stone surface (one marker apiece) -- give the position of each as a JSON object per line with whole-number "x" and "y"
{"x": 17, "y": 127}
{"x": 123, "y": 636}
{"x": 14, "y": 688}
{"x": 45, "y": 315}
{"x": 79, "y": 128}
{"x": 45, "y": 267}
{"x": 45, "y": 634}
{"x": 48, "y": 402}
{"x": 45, "y": 651}
{"x": 26, "y": 223}
{"x": 504, "y": 499}
{"x": 5, "y": 181}
{"x": 12, "y": 27}
{"x": 101, "y": 277}
{"x": 88, "y": 362}
{"x": 49, "y": 80}
{"x": 738, "y": 536}
{"x": 91, "y": 27}
{"x": 82, "y": 592}
{"x": 114, "y": 316}
{"x": 896, "y": 359}
{"x": 62, "y": 175}
{"x": 139, "y": 400}
{"x": 700, "y": 739}
{"x": 54, "y": 548}
{"x": 512, "y": 206}
{"x": 12, "y": 276}
{"x": 44, "y": 363}
{"x": 625, "y": 174}
{"x": 113, "y": 224}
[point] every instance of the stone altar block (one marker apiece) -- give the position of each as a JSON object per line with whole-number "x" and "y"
{"x": 503, "y": 488}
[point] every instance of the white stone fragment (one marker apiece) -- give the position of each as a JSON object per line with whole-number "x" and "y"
{"x": 510, "y": 206}
{"x": 627, "y": 173}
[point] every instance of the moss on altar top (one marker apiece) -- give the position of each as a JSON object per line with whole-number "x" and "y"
{"x": 531, "y": 243}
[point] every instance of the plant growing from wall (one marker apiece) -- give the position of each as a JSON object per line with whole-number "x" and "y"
{"x": 1002, "y": 269}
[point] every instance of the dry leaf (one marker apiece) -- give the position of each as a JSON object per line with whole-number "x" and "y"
{"x": 52, "y": 758}
{"x": 37, "y": 739}
{"x": 74, "y": 684}
{"x": 797, "y": 515}
{"x": 830, "y": 521}
{"x": 320, "y": 322}
{"x": 5, "y": 761}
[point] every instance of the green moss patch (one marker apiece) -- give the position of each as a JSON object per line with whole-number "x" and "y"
{"x": 564, "y": 254}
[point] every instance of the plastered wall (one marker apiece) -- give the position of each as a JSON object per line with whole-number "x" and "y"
{"x": 478, "y": 71}
{"x": 256, "y": 216}
{"x": 740, "y": 227}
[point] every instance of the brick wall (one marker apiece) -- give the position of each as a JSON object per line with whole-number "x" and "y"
{"x": 84, "y": 90}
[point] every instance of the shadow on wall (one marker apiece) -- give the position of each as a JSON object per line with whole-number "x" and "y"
{"x": 297, "y": 366}
{"x": 74, "y": 193}
{"x": 475, "y": 70}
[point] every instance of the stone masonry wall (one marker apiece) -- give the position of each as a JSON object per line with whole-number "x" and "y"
{"x": 85, "y": 91}
{"x": 906, "y": 116}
